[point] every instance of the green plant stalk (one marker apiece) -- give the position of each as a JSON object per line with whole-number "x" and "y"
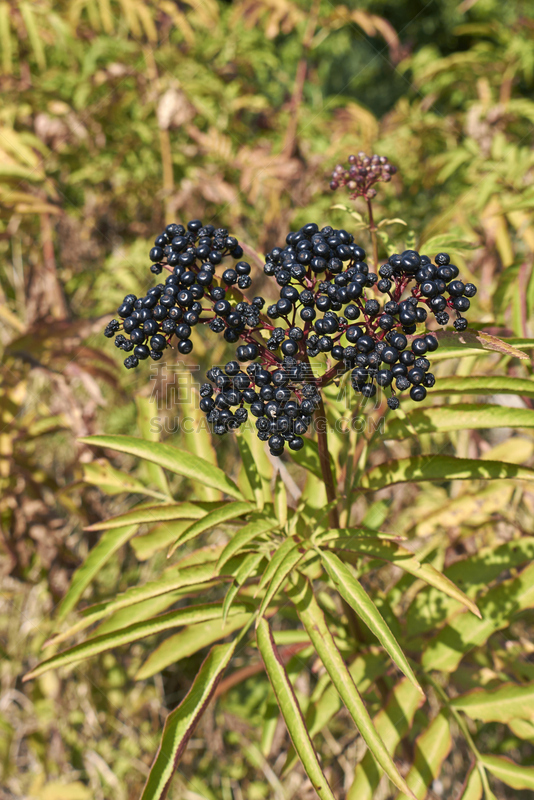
{"x": 372, "y": 230}
{"x": 326, "y": 470}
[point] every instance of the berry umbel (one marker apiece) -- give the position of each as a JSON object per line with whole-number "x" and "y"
{"x": 330, "y": 305}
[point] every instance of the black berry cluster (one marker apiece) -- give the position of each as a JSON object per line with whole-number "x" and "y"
{"x": 329, "y": 303}
{"x": 361, "y": 174}
{"x": 169, "y": 311}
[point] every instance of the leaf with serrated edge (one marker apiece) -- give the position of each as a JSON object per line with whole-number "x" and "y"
{"x": 459, "y": 417}
{"x": 394, "y": 553}
{"x": 314, "y": 622}
{"x": 355, "y": 595}
{"x": 244, "y": 537}
{"x": 175, "y": 579}
{"x": 483, "y": 385}
{"x": 139, "y": 630}
{"x": 514, "y": 775}
{"x": 325, "y": 701}
{"x": 216, "y": 517}
{"x": 431, "y": 749}
{"x": 178, "y": 461}
{"x": 164, "y": 512}
{"x": 446, "y": 650}
{"x": 109, "y": 543}
{"x": 291, "y": 710}
{"x": 508, "y": 702}
{"x": 187, "y": 642}
{"x": 441, "y": 468}
{"x": 392, "y": 723}
{"x": 281, "y": 551}
{"x": 479, "y": 340}
{"x": 180, "y": 723}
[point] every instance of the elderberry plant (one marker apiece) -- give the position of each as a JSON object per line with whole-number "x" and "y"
{"x": 330, "y": 304}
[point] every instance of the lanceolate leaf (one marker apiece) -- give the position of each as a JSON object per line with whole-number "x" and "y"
{"x": 216, "y": 517}
{"x": 244, "y": 537}
{"x": 483, "y": 385}
{"x": 355, "y": 595}
{"x": 441, "y": 468}
{"x": 314, "y": 621}
{"x": 508, "y": 772}
{"x": 391, "y": 723}
{"x": 189, "y": 641}
{"x": 99, "y": 644}
{"x": 181, "y": 723}
{"x": 288, "y": 563}
{"x": 364, "y": 669}
{"x": 163, "y": 512}
{"x": 109, "y": 543}
{"x": 251, "y": 471}
{"x": 459, "y": 417}
{"x": 179, "y": 461}
{"x": 113, "y": 481}
{"x": 497, "y": 607}
{"x": 169, "y": 582}
{"x": 247, "y": 568}
{"x": 291, "y": 710}
{"x": 501, "y": 705}
{"x": 389, "y": 551}
{"x": 431, "y": 749}
{"x": 287, "y": 546}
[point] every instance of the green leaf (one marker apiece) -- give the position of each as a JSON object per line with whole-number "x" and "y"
{"x": 441, "y": 468}
{"x": 464, "y": 632}
{"x": 325, "y": 701}
{"x": 181, "y": 723}
{"x": 171, "y": 458}
{"x": 189, "y": 641}
{"x": 314, "y": 622}
{"x": 244, "y": 537}
{"x": 483, "y": 385}
{"x": 228, "y": 512}
{"x": 355, "y": 595}
{"x": 158, "y": 538}
{"x": 522, "y": 728}
{"x": 392, "y": 723}
{"x": 150, "y": 514}
{"x": 430, "y": 609}
{"x": 508, "y": 772}
{"x": 5, "y": 39}
{"x": 508, "y": 702}
{"x": 109, "y": 543}
{"x": 308, "y": 458}
{"x": 247, "y": 568}
{"x": 477, "y": 341}
{"x": 170, "y": 581}
{"x": 431, "y": 749}
{"x": 459, "y": 417}
{"x": 113, "y": 481}
{"x": 146, "y": 412}
{"x": 144, "y": 610}
{"x": 33, "y": 34}
{"x": 472, "y": 788}
{"x": 286, "y": 564}
{"x": 291, "y": 710}
{"x": 139, "y": 630}
{"x": 401, "y": 557}
{"x": 251, "y": 471}
{"x": 197, "y": 438}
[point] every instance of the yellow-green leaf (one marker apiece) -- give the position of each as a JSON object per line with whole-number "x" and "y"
{"x": 355, "y": 595}
{"x": 164, "y": 512}
{"x": 509, "y": 701}
{"x": 244, "y": 537}
{"x": 291, "y": 711}
{"x": 483, "y": 385}
{"x": 391, "y": 723}
{"x": 431, "y": 749}
{"x": 441, "y": 468}
{"x": 219, "y": 515}
{"x": 508, "y": 772}
{"x": 171, "y": 458}
{"x": 459, "y": 417}
{"x": 181, "y": 723}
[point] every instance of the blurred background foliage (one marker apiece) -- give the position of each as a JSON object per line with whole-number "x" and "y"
{"x": 119, "y": 116}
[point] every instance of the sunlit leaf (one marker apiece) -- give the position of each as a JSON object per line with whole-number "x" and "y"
{"x": 431, "y": 749}
{"x": 181, "y": 723}
{"x": 458, "y": 417}
{"x": 500, "y": 705}
{"x": 514, "y": 775}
